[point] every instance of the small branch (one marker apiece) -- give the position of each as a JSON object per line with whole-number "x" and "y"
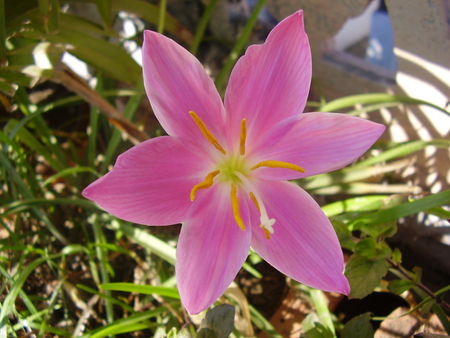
{"x": 422, "y": 287}
{"x": 74, "y": 83}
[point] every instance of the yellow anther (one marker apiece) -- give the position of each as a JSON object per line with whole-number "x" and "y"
{"x": 252, "y": 196}
{"x": 205, "y": 131}
{"x": 278, "y": 164}
{"x": 235, "y": 207}
{"x": 242, "y": 137}
{"x": 208, "y": 182}
{"x": 267, "y": 233}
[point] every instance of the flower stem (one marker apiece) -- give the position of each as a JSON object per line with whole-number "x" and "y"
{"x": 237, "y": 49}
{"x": 162, "y": 16}
{"x": 103, "y": 259}
{"x": 200, "y": 31}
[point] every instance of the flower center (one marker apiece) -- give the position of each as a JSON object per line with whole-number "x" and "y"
{"x": 235, "y": 171}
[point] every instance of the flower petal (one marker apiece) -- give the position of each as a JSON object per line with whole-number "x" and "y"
{"x": 317, "y": 142}
{"x": 271, "y": 81}
{"x": 304, "y": 245}
{"x": 211, "y": 248}
{"x": 176, "y": 84}
{"x": 150, "y": 183}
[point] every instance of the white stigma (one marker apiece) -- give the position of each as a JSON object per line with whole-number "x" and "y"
{"x": 267, "y": 223}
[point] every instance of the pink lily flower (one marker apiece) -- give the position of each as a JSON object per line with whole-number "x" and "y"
{"x": 223, "y": 168}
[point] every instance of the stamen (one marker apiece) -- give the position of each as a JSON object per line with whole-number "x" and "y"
{"x": 235, "y": 207}
{"x": 254, "y": 200}
{"x": 278, "y": 164}
{"x": 205, "y": 131}
{"x": 243, "y": 137}
{"x": 267, "y": 233}
{"x": 208, "y": 182}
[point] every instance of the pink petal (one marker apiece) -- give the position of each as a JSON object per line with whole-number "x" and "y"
{"x": 150, "y": 183}
{"x": 317, "y": 142}
{"x": 271, "y": 81}
{"x": 176, "y": 84}
{"x": 211, "y": 248}
{"x": 304, "y": 245}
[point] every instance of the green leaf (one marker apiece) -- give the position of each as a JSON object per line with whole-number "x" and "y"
{"x": 2, "y": 33}
{"x": 94, "y": 50}
{"x": 35, "y": 60}
{"x": 263, "y": 324}
{"x": 362, "y": 188}
{"x": 356, "y": 204}
{"x": 314, "y": 329}
{"x": 366, "y": 248}
{"x": 129, "y": 324}
{"x": 70, "y": 171}
{"x": 437, "y": 309}
{"x": 400, "y": 286}
{"x": 144, "y": 289}
{"x": 402, "y": 150}
{"x": 323, "y": 312}
{"x": 7, "y": 88}
{"x": 371, "y": 249}
{"x": 397, "y": 256}
{"x": 426, "y": 307}
{"x": 9, "y": 301}
{"x": 104, "y": 7}
{"x": 344, "y": 235}
{"x": 389, "y": 228}
{"x": 358, "y": 327}
{"x": 374, "y": 98}
{"x": 416, "y": 275}
{"x": 218, "y": 323}
{"x": 26, "y": 137}
{"x": 364, "y": 274}
{"x": 17, "y": 78}
{"x": 403, "y": 210}
{"x": 184, "y": 333}
{"x": 239, "y": 46}
{"x": 49, "y": 10}
{"x": 439, "y": 212}
{"x": 30, "y": 203}
{"x": 349, "y": 175}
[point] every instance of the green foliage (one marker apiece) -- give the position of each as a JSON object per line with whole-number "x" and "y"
{"x": 70, "y": 269}
{"x": 144, "y": 289}
{"x": 364, "y": 274}
{"x": 400, "y": 286}
{"x": 315, "y": 329}
{"x": 218, "y": 322}
{"x": 358, "y": 327}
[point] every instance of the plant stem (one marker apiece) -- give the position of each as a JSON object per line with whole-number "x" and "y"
{"x": 200, "y": 31}
{"x": 422, "y": 287}
{"x": 237, "y": 49}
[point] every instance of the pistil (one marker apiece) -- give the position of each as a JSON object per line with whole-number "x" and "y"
{"x": 266, "y": 222}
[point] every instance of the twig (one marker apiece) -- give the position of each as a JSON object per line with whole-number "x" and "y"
{"x": 74, "y": 83}
{"x": 422, "y": 287}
